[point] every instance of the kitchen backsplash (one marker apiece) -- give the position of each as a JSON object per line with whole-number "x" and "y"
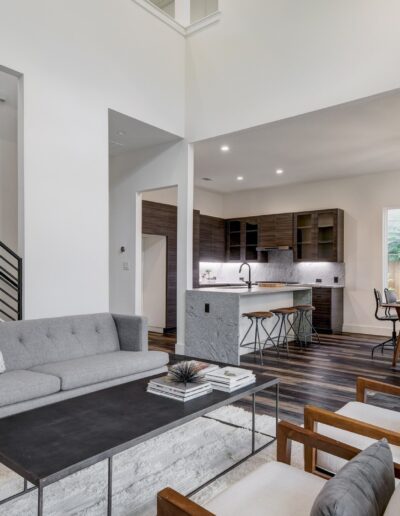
{"x": 280, "y": 267}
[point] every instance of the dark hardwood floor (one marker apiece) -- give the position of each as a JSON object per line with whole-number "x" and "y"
{"x": 323, "y": 376}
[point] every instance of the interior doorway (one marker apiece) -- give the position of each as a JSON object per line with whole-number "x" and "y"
{"x": 154, "y": 281}
{"x": 159, "y": 258}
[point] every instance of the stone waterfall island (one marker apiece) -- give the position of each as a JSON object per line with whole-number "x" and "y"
{"x": 214, "y": 322}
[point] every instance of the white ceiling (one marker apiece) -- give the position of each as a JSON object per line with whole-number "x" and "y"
{"x": 135, "y": 134}
{"x": 355, "y": 138}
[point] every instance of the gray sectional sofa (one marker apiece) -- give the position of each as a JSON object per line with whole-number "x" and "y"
{"x": 49, "y": 360}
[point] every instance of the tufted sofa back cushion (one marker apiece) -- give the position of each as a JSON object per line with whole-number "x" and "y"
{"x": 26, "y": 344}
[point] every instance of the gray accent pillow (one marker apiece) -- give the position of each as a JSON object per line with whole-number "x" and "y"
{"x": 363, "y": 487}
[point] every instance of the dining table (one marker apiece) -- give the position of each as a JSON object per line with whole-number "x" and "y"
{"x": 396, "y": 352}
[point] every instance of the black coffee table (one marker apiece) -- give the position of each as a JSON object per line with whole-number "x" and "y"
{"x": 49, "y": 443}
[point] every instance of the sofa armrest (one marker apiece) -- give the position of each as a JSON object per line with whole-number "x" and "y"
{"x": 132, "y": 332}
{"x": 315, "y": 415}
{"x": 172, "y": 503}
{"x": 288, "y": 432}
{"x": 367, "y": 384}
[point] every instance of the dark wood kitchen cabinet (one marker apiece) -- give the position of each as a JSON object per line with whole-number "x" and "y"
{"x": 318, "y": 236}
{"x": 276, "y": 230}
{"x": 212, "y": 239}
{"x": 328, "y": 314}
{"x": 242, "y": 240}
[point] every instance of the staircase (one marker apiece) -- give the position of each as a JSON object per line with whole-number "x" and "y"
{"x": 10, "y": 285}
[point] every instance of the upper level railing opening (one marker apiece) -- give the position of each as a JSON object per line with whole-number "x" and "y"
{"x": 187, "y": 13}
{"x": 10, "y": 284}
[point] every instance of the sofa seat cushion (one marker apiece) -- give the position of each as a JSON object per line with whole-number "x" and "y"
{"x": 20, "y": 385}
{"x": 275, "y": 489}
{"x": 79, "y": 372}
{"x": 377, "y": 416}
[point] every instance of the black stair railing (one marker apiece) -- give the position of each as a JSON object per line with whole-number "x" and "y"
{"x": 10, "y": 284}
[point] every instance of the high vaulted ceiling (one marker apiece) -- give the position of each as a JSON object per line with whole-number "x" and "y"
{"x": 359, "y": 137}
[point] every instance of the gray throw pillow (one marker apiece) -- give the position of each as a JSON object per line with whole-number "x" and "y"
{"x": 363, "y": 487}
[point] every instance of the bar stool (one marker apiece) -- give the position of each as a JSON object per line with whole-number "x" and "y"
{"x": 285, "y": 325}
{"x": 256, "y": 318}
{"x": 302, "y": 324}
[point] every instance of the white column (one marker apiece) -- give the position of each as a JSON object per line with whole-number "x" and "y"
{"x": 137, "y": 256}
{"x": 182, "y": 12}
{"x": 185, "y": 246}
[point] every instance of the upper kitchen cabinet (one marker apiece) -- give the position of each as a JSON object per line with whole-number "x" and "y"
{"x": 276, "y": 231}
{"x": 242, "y": 240}
{"x": 319, "y": 236}
{"x": 212, "y": 239}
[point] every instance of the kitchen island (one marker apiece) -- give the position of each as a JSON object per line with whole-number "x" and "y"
{"x": 214, "y": 322}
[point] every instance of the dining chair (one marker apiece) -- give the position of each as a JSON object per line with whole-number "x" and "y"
{"x": 384, "y": 314}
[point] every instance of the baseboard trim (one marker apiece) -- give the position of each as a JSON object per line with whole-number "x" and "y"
{"x": 368, "y": 330}
{"x": 179, "y": 349}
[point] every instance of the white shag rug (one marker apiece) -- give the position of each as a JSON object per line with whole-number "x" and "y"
{"x": 183, "y": 458}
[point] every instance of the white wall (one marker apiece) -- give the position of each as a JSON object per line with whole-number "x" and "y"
{"x": 8, "y": 162}
{"x": 363, "y": 199}
{"x": 9, "y": 194}
{"x": 270, "y": 59}
{"x": 79, "y": 59}
{"x": 130, "y": 174}
{"x": 207, "y": 202}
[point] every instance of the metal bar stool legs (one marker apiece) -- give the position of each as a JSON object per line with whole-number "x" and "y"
{"x": 285, "y": 325}
{"x": 256, "y": 319}
{"x": 304, "y": 327}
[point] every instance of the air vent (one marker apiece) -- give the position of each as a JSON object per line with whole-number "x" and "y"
{"x": 206, "y": 179}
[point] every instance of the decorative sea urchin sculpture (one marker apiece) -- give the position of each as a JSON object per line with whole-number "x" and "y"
{"x": 185, "y": 372}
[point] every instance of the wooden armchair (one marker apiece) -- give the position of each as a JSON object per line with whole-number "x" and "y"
{"x": 279, "y": 487}
{"x": 356, "y": 424}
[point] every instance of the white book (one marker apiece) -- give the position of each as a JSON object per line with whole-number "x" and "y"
{"x": 166, "y": 383}
{"x": 206, "y": 368}
{"x": 178, "y": 394}
{"x": 172, "y": 396}
{"x": 232, "y": 383}
{"x": 229, "y": 374}
{"x": 227, "y": 388}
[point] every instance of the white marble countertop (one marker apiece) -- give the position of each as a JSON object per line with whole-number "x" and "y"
{"x": 310, "y": 285}
{"x": 254, "y": 291}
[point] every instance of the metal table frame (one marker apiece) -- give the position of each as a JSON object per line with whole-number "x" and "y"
{"x": 272, "y": 383}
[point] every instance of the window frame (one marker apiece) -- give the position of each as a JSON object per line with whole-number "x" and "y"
{"x": 385, "y": 254}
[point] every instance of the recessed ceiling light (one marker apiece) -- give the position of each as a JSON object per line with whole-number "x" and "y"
{"x": 225, "y": 148}
{"x": 279, "y": 171}
{"x": 121, "y": 133}
{"x": 206, "y": 178}
{"x": 239, "y": 178}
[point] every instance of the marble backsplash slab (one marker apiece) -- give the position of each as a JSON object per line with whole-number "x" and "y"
{"x": 280, "y": 267}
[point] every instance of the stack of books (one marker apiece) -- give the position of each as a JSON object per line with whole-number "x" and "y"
{"x": 166, "y": 387}
{"x": 229, "y": 379}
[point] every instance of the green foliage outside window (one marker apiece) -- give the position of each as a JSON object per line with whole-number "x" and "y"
{"x": 393, "y": 228}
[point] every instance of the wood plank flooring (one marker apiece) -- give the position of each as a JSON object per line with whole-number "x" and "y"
{"x": 317, "y": 375}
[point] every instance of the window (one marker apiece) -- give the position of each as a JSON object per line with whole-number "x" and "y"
{"x": 392, "y": 249}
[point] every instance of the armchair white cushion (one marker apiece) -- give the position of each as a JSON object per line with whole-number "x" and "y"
{"x": 275, "y": 489}
{"x": 393, "y": 507}
{"x": 371, "y": 414}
